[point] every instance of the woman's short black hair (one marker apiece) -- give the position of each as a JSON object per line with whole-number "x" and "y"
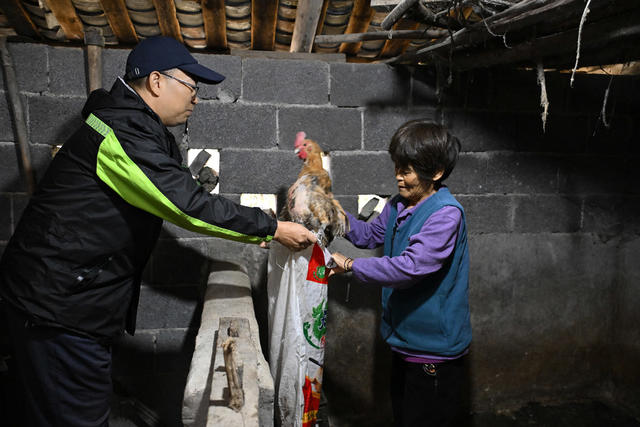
{"x": 425, "y": 146}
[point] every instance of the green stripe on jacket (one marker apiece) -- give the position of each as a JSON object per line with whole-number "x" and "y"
{"x": 125, "y": 177}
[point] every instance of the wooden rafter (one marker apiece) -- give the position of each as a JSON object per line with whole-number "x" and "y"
{"x": 396, "y": 14}
{"x": 119, "y": 21}
{"x": 381, "y": 35}
{"x": 396, "y": 46}
{"x": 19, "y": 18}
{"x": 167, "y": 18}
{"x": 215, "y": 23}
{"x": 358, "y": 23}
{"x": 323, "y": 16}
{"x": 307, "y": 17}
{"x": 264, "y": 17}
{"x": 68, "y": 19}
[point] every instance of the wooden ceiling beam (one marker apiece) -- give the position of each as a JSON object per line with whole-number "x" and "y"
{"x": 323, "y": 16}
{"x": 119, "y": 21}
{"x": 358, "y": 23}
{"x": 396, "y": 14}
{"x": 307, "y": 18}
{"x": 69, "y": 21}
{"x": 394, "y": 46}
{"x": 264, "y": 17}
{"x": 167, "y": 19}
{"x": 215, "y": 23}
{"x": 18, "y": 18}
{"x": 381, "y": 35}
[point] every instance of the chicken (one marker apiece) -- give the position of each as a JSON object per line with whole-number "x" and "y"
{"x": 310, "y": 201}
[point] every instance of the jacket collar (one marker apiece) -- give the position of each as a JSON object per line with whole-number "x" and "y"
{"x": 121, "y": 96}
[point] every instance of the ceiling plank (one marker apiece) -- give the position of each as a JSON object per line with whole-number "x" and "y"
{"x": 68, "y": 19}
{"x": 307, "y": 17}
{"x": 167, "y": 18}
{"x": 264, "y": 17}
{"x": 119, "y": 21}
{"x": 18, "y": 18}
{"x": 394, "y": 47}
{"x": 215, "y": 23}
{"x": 358, "y": 23}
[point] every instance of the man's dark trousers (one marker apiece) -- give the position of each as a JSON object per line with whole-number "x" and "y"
{"x": 65, "y": 377}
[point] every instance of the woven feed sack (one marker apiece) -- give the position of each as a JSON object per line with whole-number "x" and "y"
{"x": 297, "y": 292}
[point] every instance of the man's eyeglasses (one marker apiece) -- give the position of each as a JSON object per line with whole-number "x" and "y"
{"x": 187, "y": 84}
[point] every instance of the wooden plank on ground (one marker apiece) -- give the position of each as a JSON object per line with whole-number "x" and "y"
{"x": 215, "y": 23}
{"x": 18, "y": 18}
{"x": 119, "y": 21}
{"x": 167, "y": 18}
{"x": 264, "y": 17}
{"x": 69, "y": 21}
{"x": 358, "y": 23}
{"x": 307, "y": 18}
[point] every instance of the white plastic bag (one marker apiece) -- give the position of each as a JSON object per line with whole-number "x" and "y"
{"x": 297, "y": 291}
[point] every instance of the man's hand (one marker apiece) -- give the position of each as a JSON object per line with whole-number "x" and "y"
{"x": 294, "y": 236}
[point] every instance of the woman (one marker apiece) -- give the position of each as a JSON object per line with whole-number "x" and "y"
{"x": 424, "y": 277}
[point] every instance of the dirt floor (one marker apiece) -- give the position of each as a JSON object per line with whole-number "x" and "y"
{"x": 585, "y": 414}
{"x": 582, "y": 414}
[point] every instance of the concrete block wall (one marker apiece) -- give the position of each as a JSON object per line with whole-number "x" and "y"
{"x": 553, "y": 216}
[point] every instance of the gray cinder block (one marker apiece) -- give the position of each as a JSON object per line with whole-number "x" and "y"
{"x": 31, "y": 66}
{"x": 52, "y": 120}
{"x": 369, "y": 85}
{"x": 332, "y": 128}
{"x": 11, "y": 178}
{"x": 547, "y": 213}
{"x": 470, "y": 174}
{"x": 216, "y": 125}
{"x": 257, "y": 171}
{"x": 285, "y": 81}
{"x": 381, "y": 123}
{"x": 230, "y": 67}
{"x": 363, "y": 173}
{"x": 166, "y": 307}
{"x": 67, "y": 71}
{"x": 521, "y": 173}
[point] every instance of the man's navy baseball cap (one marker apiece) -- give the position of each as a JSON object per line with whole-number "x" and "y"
{"x": 163, "y": 53}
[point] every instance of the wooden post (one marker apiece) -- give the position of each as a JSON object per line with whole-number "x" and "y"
{"x": 307, "y": 15}
{"x": 18, "y": 114}
{"x": 94, "y": 40}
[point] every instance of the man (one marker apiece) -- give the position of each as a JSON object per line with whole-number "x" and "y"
{"x": 70, "y": 275}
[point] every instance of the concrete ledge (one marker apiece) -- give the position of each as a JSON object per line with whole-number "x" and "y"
{"x": 228, "y": 294}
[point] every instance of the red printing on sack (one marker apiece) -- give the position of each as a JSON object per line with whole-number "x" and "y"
{"x": 317, "y": 271}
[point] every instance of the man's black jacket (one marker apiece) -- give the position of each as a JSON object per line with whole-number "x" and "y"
{"x": 77, "y": 255}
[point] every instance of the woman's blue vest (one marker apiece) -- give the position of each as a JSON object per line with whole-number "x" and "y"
{"x": 432, "y": 315}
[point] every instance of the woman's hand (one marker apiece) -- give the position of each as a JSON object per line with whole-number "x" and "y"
{"x": 343, "y": 264}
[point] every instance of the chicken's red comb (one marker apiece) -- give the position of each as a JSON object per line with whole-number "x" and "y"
{"x": 300, "y": 136}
